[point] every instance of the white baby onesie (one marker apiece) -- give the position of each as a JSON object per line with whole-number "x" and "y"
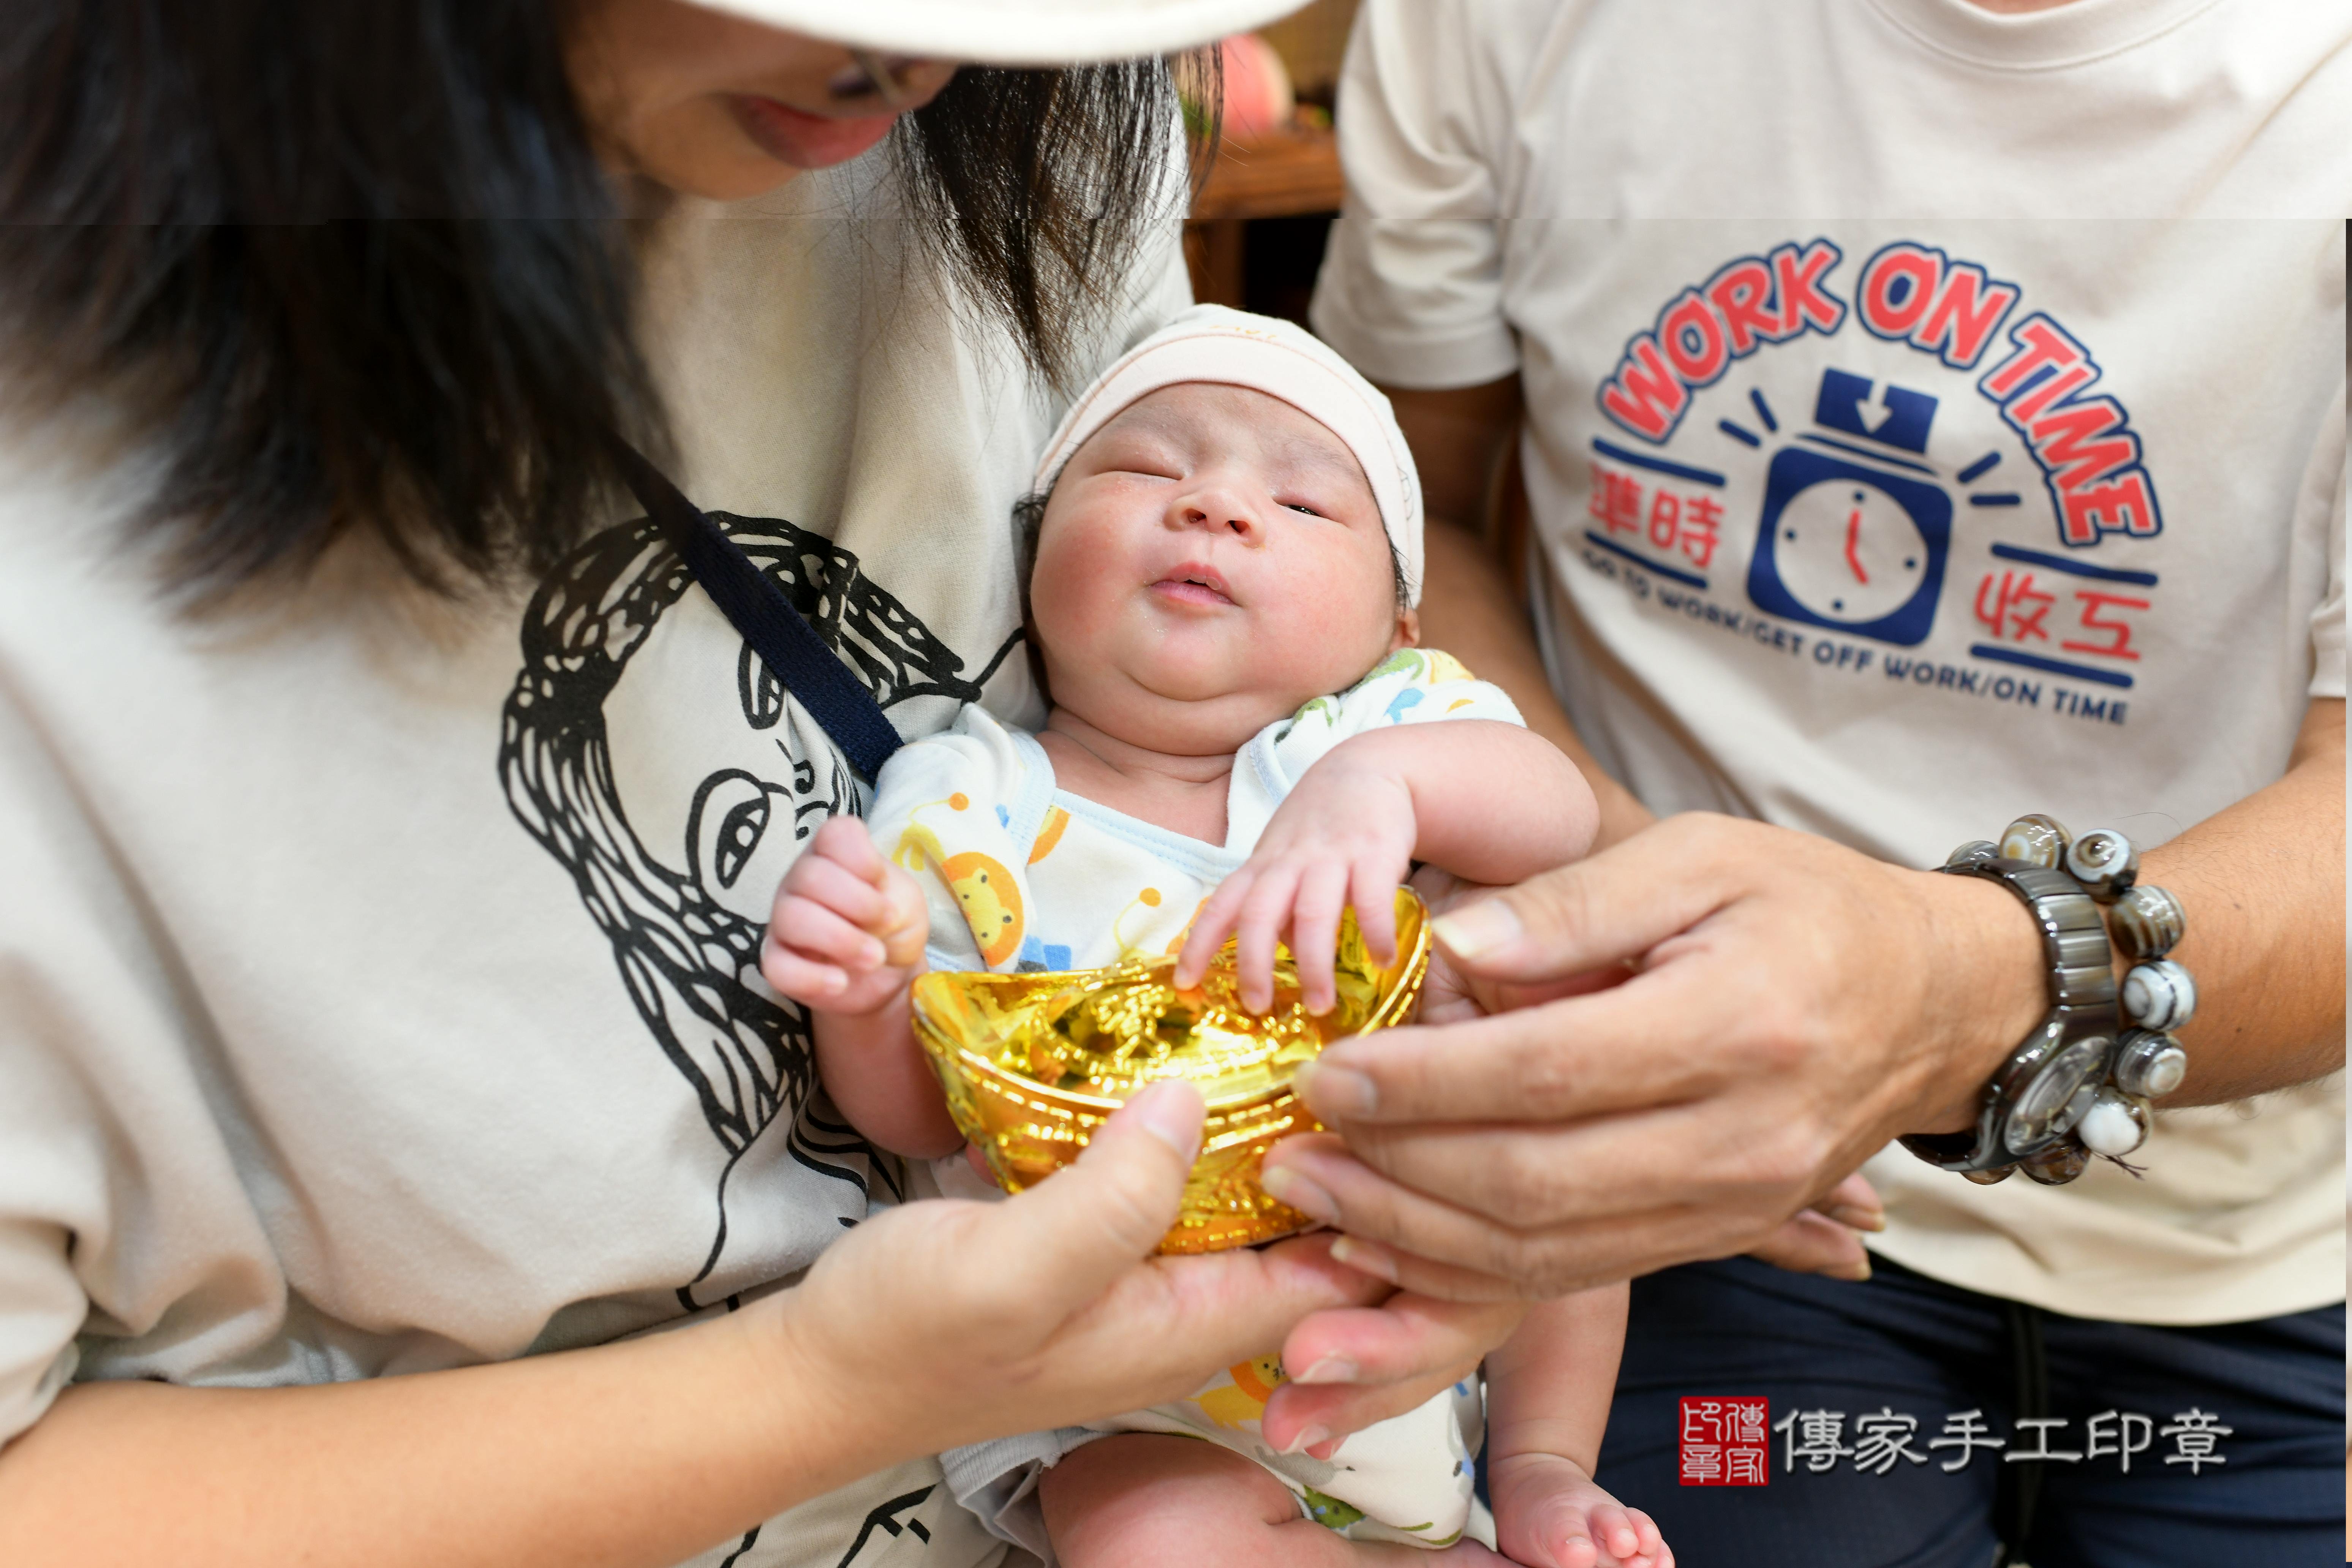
{"x": 1019, "y": 874}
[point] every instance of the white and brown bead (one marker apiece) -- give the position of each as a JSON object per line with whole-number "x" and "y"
{"x": 2114, "y": 1125}
{"x": 2105, "y": 862}
{"x": 2147, "y": 921}
{"x": 2149, "y": 1064}
{"x": 2036, "y": 839}
{"x": 2159, "y": 995}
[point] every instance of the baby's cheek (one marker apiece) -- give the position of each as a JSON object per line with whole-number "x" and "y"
{"x": 1329, "y": 647}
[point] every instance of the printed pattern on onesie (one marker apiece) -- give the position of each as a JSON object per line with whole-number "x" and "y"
{"x": 1406, "y": 1480}
{"x": 1022, "y": 876}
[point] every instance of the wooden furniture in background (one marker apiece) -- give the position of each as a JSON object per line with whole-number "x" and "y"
{"x": 1285, "y": 175}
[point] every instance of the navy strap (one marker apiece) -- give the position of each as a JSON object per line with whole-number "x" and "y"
{"x": 781, "y": 635}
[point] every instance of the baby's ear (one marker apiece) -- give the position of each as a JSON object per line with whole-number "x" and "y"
{"x": 1408, "y": 630}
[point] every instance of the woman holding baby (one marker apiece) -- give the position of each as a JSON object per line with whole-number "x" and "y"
{"x": 391, "y": 825}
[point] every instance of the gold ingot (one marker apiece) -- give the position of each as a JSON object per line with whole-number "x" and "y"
{"x": 1034, "y": 1063}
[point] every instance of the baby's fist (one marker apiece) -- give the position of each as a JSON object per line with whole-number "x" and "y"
{"x": 847, "y": 931}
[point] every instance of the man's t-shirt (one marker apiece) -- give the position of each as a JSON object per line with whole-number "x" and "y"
{"x": 1899, "y": 465}
{"x": 379, "y": 981}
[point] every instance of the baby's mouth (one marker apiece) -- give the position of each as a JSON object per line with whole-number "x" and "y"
{"x": 1193, "y": 584}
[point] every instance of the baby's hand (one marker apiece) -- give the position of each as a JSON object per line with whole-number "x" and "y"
{"x": 847, "y": 932}
{"x": 1344, "y": 837}
{"x": 1549, "y": 1514}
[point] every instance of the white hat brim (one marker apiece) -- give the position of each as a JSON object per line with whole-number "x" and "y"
{"x": 1015, "y": 32}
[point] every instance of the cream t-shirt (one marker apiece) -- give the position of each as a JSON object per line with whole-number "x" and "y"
{"x": 1933, "y": 416}
{"x": 379, "y": 981}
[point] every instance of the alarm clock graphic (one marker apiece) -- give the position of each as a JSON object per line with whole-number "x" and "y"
{"x": 1848, "y": 540}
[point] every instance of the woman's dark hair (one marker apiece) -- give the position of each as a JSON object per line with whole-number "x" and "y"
{"x": 355, "y": 266}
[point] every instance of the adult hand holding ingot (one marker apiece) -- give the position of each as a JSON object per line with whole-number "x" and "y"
{"x": 1033, "y": 1064}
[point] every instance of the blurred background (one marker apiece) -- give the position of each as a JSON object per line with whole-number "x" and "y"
{"x": 1259, "y": 220}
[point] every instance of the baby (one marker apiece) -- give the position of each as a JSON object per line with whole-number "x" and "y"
{"x": 1241, "y": 738}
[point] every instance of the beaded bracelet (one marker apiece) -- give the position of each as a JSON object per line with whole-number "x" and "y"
{"x": 2079, "y": 1085}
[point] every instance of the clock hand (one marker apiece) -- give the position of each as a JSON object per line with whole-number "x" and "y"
{"x": 1852, "y": 539}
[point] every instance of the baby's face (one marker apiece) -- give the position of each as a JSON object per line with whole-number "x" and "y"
{"x": 1209, "y": 559}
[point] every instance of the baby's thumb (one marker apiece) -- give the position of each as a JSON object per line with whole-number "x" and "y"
{"x": 1077, "y": 1232}
{"x": 909, "y": 918}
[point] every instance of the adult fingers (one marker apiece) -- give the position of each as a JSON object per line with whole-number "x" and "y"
{"x": 1064, "y": 1242}
{"x": 1351, "y": 1368}
{"x": 1312, "y": 1172}
{"x": 1441, "y": 1249}
{"x": 1314, "y": 1418}
{"x": 1617, "y": 905}
{"x": 1440, "y": 1281}
{"x": 1656, "y": 1038}
{"x": 1171, "y": 1321}
{"x": 1443, "y": 998}
{"x": 1532, "y": 1174}
{"x": 1408, "y": 1336}
{"x": 1810, "y": 1243}
{"x": 1853, "y": 1202}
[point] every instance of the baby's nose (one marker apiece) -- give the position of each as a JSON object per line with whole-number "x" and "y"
{"x": 1218, "y": 512}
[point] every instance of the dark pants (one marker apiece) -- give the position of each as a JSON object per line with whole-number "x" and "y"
{"x": 1908, "y": 1346}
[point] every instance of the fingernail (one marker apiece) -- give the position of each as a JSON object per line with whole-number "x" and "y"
{"x": 1287, "y": 1186}
{"x": 1857, "y": 1218}
{"x": 1365, "y": 1258}
{"x": 1333, "y": 1092}
{"x": 1307, "y": 1438}
{"x": 1330, "y": 1369}
{"x": 1475, "y": 929}
{"x": 1171, "y": 1113}
{"x": 1856, "y": 1272}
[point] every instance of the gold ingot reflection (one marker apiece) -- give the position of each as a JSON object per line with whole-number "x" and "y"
{"x": 1034, "y": 1063}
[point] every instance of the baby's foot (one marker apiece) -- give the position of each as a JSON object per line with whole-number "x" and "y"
{"x": 1549, "y": 1514}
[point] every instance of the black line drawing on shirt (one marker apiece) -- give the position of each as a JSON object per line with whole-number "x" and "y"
{"x": 688, "y": 961}
{"x": 885, "y": 1515}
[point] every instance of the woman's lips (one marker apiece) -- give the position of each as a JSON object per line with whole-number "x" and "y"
{"x": 807, "y": 140}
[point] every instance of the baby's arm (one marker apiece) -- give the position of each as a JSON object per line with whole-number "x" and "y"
{"x": 1548, "y": 1392}
{"x": 1492, "y": 802}
{"x": 1487, "y": 800}
{"x": 846, "y": 939}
